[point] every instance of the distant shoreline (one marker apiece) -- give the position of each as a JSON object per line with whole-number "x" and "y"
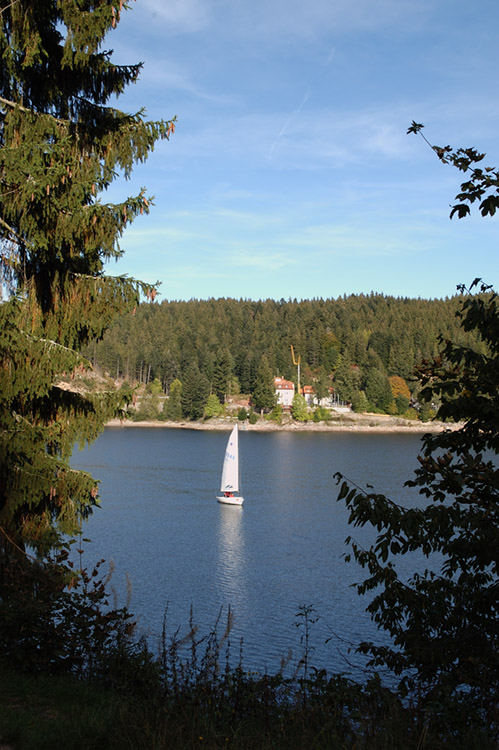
{"x": 366, "y": 423}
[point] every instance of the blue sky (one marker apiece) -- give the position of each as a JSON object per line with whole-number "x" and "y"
{"x": 290, "y": 173}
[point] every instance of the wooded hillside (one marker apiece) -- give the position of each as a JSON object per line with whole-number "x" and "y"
{"x": 353, "y": 343}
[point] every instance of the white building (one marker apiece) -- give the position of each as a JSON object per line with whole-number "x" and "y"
{"x": 308, "y": 394}
{"x": 284, "y": 390}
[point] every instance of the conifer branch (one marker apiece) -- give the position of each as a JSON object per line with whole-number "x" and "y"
{"x": 60, "y": 146}
{"x": 10, "y": 5}
{"x": 13, "y": 232}
{"x": 15, "y": 105}
{"x": 9, "y": 539}
{"x": 53, "y": 343}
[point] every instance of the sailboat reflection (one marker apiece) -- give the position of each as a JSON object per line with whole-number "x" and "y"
{"x": 231, "y": 558}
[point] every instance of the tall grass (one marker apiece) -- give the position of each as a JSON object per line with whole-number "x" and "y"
{"x": 74, "y": 675}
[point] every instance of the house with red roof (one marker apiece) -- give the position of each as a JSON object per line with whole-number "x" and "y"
{"x": 284, "y": 391}
{"x": 308, "y": 394}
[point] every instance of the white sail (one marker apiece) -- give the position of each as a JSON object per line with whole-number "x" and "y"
{"x": 230, "y": 471}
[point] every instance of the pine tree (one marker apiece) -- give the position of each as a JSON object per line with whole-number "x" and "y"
{"x": 173, "y": 407}
{"x": 61, "y": 144}
{"x": 195, "y": 391}
{"x": 263, "y": 396}
{"x": 224, "y": 366}
{"x": 378, "y": 390}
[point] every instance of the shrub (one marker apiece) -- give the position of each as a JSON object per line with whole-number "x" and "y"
{"x": 213, "y": 407}
{"x": 411, "y": 413}
{"x": 276, "y": 414}
{"x": 426, "y": 413}
{"x": 321, "y": 414}
{"x": 299, "y": 409}
{"x": 402, "y": 404}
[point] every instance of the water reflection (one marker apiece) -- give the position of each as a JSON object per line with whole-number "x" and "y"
{"x": 231, "y": 556}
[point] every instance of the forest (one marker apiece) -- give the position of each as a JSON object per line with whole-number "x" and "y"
{"x": 366, "y": 347}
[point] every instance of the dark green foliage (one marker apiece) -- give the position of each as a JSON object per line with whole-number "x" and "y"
{"x": 54, "y": 619}
{"x": 360, "y": 403}
{"x": 253, "y": 418}
{"x": 263, "y": 395}
{"x": 402, "y": 403}
{"x": 378, "y": 391}
{"x": 61, "y": 144}
{"x": 195, "y": 391}
{"x": 443, "y": 621}
{"x": 321, "y": 414}
{"x": 221, "y": 374}
{"x": 197, "y": 699}
{"x": 173, "y": 407}
{"x": 276, "y": 414}
{"x": 242, "y": 414}
{"x": 347, "y": 379}
{"x": 338, "y": 340}
{"x": 322, "y": 383}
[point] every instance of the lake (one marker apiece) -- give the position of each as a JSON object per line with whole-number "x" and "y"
{"x": 160, "y": 524}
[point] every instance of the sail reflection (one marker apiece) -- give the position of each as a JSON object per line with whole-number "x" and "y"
{"x": 231, "y": 558}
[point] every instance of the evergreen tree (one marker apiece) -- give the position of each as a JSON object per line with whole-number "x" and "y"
{"x": 173, "y": 407}
{"x": 224, "y": 365}
{"x": 402, "y": 403}
{"x": 163, "y": 340}
{"x": 61, "y": 144}
{"x": 322, "y": 385}
{"x": 378, "y": 390}
{"x": 263, "y": 396}
{"x": 195, "y": 391}
{"x": 360, "y": 404}
{"x": 346, "y": 379}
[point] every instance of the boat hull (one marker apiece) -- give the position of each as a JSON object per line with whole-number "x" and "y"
{"x": 235, "y": 500}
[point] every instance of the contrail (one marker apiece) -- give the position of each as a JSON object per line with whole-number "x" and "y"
{"x": 300, "y": 107}
{"x": 285, "y": 126}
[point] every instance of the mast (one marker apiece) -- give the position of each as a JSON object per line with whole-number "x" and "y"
{"x": 296, "y": 362}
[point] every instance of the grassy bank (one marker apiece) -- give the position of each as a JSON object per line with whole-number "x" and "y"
{"x": 236, "y": 710}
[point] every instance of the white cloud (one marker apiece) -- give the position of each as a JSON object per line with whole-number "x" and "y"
{"x": 325, "y": 138}
{"x": 281, "y": 19}
{"x": 163, "y": 75}
{"x": 276, "y": 19}
{"x": 266, "y": 262}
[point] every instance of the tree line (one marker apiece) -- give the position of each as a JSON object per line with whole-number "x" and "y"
{"x": 365, "y": 346}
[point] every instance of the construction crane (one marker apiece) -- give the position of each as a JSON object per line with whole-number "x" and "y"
{"x": 297, "y": 363}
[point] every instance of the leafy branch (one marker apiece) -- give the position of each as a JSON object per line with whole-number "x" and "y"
{"x": 483, "y": 185}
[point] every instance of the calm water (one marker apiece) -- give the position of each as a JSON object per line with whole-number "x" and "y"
{"x": 161, "y": 525}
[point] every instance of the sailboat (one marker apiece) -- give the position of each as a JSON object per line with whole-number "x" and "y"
{"x": 230, "y": 472}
